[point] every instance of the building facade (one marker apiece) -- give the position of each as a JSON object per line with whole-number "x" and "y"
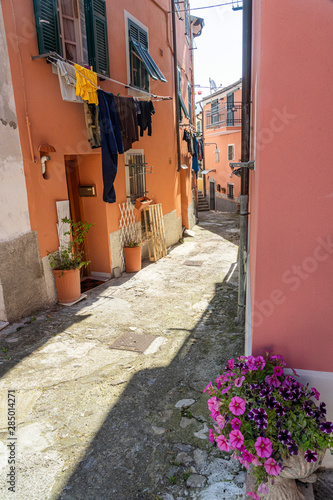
{"x": 45, "y": 153}
{"x": 222, "y": 144}
{"x": 290, "y": 261}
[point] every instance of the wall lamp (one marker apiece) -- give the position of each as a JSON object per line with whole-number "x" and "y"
{"x": 217, "y": 151}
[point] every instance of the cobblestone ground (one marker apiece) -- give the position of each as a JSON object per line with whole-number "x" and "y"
{"x": 98, "y": 423}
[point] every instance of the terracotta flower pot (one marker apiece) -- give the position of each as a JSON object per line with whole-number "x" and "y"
{"x": 68, "y": 285}
{"x": 132, "y": 257}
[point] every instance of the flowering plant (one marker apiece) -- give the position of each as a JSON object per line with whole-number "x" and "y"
{"x": 262, "y": 414}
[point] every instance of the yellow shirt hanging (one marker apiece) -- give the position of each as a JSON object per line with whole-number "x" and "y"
{"x": 86, "y": 84}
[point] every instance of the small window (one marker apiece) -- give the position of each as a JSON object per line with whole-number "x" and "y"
{"x": 70, "y": 33}
{"x": 231, "y": 152}
{"x": 135, "y": 175}
{"x": 230, "y": 190}
{"x": 218, "y": 188}
{"x": 214, "y": 111}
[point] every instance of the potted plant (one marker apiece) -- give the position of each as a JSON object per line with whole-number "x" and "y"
{"x": 68, "y": 260}
{"x": 270, "y": 423}
{"x": 132, "y": 256}
{"x": 223, "y": 190}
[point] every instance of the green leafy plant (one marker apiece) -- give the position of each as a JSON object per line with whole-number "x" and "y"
{"x": 71, "y": 256}
{"x": 264, "y": 415}
{"x": 133, "y": 244}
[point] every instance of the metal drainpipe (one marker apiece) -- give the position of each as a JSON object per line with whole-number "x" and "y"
{"x": 204, "y": 158}
{"x": 174, "y": 40}
{"x": 245, "y": 156}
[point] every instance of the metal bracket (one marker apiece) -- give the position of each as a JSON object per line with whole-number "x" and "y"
{"x": 243, "y": 164}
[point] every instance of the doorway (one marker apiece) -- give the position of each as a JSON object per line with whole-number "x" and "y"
{"x": 212, "y": 194}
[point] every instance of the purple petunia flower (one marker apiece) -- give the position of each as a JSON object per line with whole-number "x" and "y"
{"x": 326, "y": 427}
{"x": 266, "y": 391}
{"x": 322, "y": 408}
{"x": 251, "y": 415}
{"x": 315, "y": 393}
{"x": 270, "y": 402}
{"x": 251, "y": 363}
{"x": 292, "y": 448}
{"x": 286, "y": 393}
{"x": 311, "y": 456}
{"x": 308, "y": 408}
{"x": 284, "y": 436}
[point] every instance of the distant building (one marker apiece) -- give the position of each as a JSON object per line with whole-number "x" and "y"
{"x": 221, "y": 129}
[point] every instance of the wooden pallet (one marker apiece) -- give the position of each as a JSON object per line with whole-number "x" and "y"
{"x": 154, "y": 224}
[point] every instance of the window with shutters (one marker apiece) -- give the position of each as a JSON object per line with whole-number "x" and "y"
{"x": 214, "y": 107}
{"x": 187, "y": 19}
{"x": 75, "y": 29}
{"x": 189, "y": 95}
{"x": 182, "y": 107}
{"x": 231, "y": 152}
{"x": 142, "y": 66}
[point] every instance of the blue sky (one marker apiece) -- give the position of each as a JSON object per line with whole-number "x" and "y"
{"x": 219, "y": 48}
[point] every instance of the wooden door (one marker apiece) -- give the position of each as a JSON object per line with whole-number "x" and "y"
{"x": 75, "y": 203}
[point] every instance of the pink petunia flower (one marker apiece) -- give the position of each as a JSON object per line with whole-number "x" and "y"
{"x": 214, "y": 403}
{"x": 231, "y": 364}
{"x": 253, "y": 495}
{"x": 248, "y": 457}
{"x": 256, "y": 462}
{"x": 223, "y": 443}
{"x": 239, "y": 381}
{"x": 217, "y": 429}
{"x": 211, "y": 436}
{"x": 279, "y": 359}
{"x": 263, "y": 488}
{"x": 251, "y": 363}
{"x": 272, "y": 381}
{"x": 220, "y": 420}
{"x": 236, "y": 439}
{"x": 226, "y": 389}
{"x": 237, "y": 405}
{"x": 243, "y": 462}
{"x": 272, "y": 468}
{"x": 315, "y": 393}
{"x": 214, "y": 414}
{"x": 294, "y": 372}
{"x": 209, "y": 388}
{"x": 236, "y": 423}
{"x": 278, "y": 371}
{"x": 263, "y": 447}
{"x": 260, "y": 362}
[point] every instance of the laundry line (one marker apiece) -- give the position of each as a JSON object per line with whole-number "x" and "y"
{"x": 57, "y": 57}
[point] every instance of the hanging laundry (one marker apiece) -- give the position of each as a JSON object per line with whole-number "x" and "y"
{"x": 187, "y": 138}
{"x": 111, "y": 143}
{"x": 195, "y": 163}
{"x": 144, "y": 117}
{"x": 92, "y": 122}
{"x": 86, "y": 84}
{"x": 192, "y": 145}
{"x": 67, "y": 81}
{"x": 127, "y": 119}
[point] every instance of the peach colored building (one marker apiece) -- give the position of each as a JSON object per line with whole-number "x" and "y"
{"x": 222, "y": 145}
{"x": 290, "y": 286}
{"x": 119, "y": 39}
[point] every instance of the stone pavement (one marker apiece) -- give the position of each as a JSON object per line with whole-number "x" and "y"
{"x": 98, "y": 423}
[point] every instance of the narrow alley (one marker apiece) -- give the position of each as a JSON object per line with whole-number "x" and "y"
{"x": 100, "y": 423}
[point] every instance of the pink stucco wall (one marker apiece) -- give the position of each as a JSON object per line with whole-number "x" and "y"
{"x": 291, "y": 199}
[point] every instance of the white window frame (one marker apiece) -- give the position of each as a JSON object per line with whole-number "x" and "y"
{"x": 78, "y": 34}
{"x": 233, "y": 190}
{"x": 133, "y": 91}
{"x": 233, "y": 152}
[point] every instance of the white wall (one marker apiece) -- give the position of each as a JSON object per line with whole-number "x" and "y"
{"x": 14, "y": 219}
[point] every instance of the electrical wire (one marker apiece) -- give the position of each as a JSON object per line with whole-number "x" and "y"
{"x": 207, "y": 7}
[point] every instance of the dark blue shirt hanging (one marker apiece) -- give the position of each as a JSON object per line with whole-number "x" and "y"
{"x": 195, "y": 162}
{"x": 111, "y": 143}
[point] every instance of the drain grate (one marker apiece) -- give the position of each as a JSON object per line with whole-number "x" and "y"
{"x": 195, "y": 263}
{"x": 133, "y": 342}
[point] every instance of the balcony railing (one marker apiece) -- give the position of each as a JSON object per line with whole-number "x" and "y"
{"x": 224, "y": 115}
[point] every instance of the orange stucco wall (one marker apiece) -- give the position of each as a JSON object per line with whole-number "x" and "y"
{"x": 62, "y": 124}
{"x": 291, "y": 189}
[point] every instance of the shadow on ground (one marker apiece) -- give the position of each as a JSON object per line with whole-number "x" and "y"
{"x": 132, "y": 455}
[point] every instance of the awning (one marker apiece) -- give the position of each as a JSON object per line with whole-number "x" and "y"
{"x": 208, "y": 170}
{"x": 148, "y": 61}
{"x": 182, "y": 106}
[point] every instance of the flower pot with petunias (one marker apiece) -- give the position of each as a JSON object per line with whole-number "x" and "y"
{"x": 270, "y": 422}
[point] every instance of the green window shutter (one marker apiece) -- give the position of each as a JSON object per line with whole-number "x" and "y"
{"x": 189, "y": 101}
{"x": 47, "y": 26}
{"x": 97, "y": 35}
{"x": 187, "y": 18}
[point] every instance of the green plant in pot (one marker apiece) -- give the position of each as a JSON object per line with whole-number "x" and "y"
{"x": 68, "y": 260}
{"x": 270, "y": 422}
